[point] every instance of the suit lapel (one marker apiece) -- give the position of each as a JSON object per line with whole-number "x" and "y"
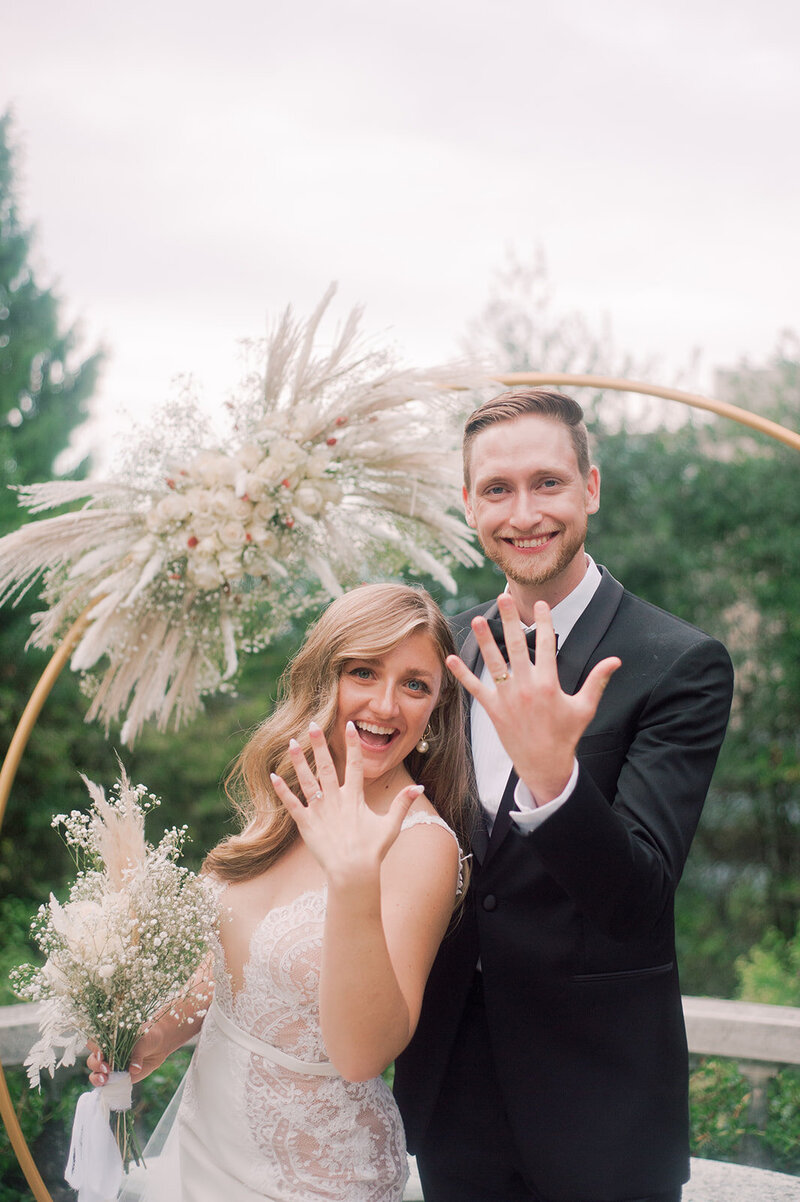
{"x": 573, "y": 656}
{"x": 587, "y": 632}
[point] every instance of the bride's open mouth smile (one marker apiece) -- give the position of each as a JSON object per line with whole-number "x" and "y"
{"x": 373, "y": 735}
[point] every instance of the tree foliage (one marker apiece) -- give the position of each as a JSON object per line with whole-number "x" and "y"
{"x": 44, "y": 389}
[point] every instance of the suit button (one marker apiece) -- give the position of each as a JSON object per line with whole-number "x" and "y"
{"x": 490, "y": 902}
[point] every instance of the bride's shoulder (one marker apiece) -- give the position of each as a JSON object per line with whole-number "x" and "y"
{"x": 433, "y": 841}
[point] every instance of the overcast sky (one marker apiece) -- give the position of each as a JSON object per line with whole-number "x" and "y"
{"x": 193, "y": 167}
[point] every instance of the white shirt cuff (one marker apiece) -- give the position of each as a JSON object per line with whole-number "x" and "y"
{"x": 528, "y": 815}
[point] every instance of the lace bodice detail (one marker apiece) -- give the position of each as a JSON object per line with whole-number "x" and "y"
{"x": 299, "y": 1137}
{"x": 279, "y": 998}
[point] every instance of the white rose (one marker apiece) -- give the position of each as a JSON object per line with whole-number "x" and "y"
{"x": 232, "y": 534}
{"x": 249, "y": 456}
{"x": 224, "y": 502}
{"x": 308, "y": 499}
{"x": 230, "y": 564}
{"x": 204, "y": 573}
{"x": 173, "y": 507}
{"x": 288, "y": 453}
{"x": 199, "y": 500}
{"x": 208, "y": 545}
{"x": 254, "y": 487}
{"x": 264, "y": 538}
{"x": 270, "y": 472}
{"x": 210, "y": 467}
{"x": 264, "y": 511}
{"x": 202, "y": 525}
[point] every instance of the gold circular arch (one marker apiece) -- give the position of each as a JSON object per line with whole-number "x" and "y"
{"x": 616, "y": 384}
{"x": 48, "y": 678}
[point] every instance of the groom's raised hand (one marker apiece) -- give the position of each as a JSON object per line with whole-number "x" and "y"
{"x": 538, "y": 723}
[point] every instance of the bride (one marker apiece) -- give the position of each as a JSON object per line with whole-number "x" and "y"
{"x": 333, "y": 901}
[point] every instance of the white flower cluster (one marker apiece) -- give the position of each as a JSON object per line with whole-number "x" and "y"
{"x": 127, "y": 941}
{"x": 229, "y": 515}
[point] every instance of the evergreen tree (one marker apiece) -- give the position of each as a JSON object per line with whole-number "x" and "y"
{"x": 44, "y": 388}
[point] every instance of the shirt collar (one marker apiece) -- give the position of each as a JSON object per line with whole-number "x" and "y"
{"x": 567, "y": 612}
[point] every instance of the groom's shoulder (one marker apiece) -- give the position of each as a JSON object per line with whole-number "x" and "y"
{"x": 652, "y": 623}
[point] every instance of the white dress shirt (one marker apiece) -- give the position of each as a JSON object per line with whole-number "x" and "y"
{"x": 492, "y": 761}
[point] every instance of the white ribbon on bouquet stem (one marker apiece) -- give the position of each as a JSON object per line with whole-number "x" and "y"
{"x": 94, "y": 1165}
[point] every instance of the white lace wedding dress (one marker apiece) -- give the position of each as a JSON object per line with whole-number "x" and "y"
{"x": 264, "y": 1116}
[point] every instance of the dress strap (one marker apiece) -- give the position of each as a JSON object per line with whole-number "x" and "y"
{"x": 251, "y": 1043}
{"x": 423, "y": 818}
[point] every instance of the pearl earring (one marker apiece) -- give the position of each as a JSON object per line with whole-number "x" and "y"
{"x": 423, "y": 745}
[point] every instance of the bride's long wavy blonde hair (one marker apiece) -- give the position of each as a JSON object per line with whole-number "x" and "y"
{"x": 366, "y": 623}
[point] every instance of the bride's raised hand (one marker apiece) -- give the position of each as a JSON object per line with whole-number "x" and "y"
{"x": 346, "y": 837}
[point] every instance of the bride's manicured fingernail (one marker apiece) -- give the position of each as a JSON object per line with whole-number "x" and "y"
{"x": 294, "y": 745}
{"x": 350, "y": 728}
{"x": 313, "y": 729}
{"x": 135, "y": 1067}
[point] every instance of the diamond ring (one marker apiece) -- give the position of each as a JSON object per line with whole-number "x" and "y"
{"x": 499, "y": 679}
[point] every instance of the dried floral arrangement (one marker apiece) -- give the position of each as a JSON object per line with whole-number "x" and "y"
{"x": 134, "y": 932}
{"x": 337, "y": 467}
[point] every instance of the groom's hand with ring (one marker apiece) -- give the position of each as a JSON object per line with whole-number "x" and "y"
{"x": 537, "y": 722}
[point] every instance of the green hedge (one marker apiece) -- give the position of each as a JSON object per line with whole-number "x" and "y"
{"x": 719, "y": 1096}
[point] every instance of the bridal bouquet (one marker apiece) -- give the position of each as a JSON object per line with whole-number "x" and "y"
{"x": 120, "y": 951}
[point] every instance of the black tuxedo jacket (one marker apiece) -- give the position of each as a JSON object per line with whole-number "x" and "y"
{"x": 574, "y": 926}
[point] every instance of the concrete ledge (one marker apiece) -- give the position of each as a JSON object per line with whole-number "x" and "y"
{"x": 743, "y": 1030}
{"x": 714, "y": 1181}
{"x": 711, "y": 1181}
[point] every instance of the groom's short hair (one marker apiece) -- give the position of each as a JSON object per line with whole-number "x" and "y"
{"x": 521, "y": 402}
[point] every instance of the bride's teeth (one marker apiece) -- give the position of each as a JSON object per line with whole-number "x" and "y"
{"x": 375, "y": 730}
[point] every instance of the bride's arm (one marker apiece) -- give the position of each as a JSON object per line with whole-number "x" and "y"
{"x": 389, "y": 904}
{"x": 176, "y": 1024}
{"x": 381, "y": 936}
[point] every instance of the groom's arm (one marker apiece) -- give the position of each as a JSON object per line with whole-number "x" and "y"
{"x": 618, "y": 853}
{"x": 621, "y": 862}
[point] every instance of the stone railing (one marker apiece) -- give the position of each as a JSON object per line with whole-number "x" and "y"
{"x": 761, "y": 1039}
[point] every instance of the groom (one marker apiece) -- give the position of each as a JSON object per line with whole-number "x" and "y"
{"x": 550, "y": 1060}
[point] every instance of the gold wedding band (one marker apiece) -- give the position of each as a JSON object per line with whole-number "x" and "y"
{"x": 499, "y": 679}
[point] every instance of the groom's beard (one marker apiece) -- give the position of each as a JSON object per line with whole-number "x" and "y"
{"x": 541, "y": 569}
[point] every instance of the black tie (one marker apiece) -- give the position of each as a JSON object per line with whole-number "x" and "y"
{"x": 496, "y": 627}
